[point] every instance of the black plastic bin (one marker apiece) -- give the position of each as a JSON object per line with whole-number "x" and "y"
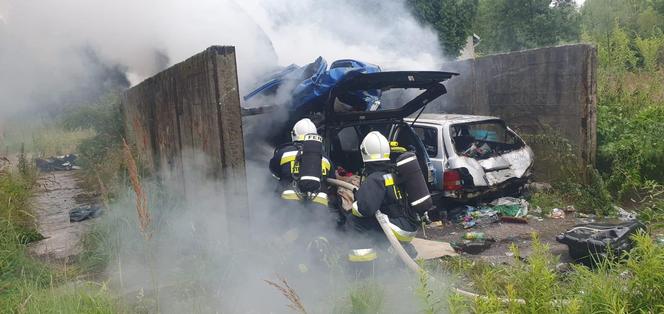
{"x": 589, "y": 243}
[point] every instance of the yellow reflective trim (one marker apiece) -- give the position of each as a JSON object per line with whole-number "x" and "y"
{"x": 394, "y": 144}
{"x": 286, "y": 159}
{"x": 290, "y": 195}
{"x": 362, "y": 258}
{"x": 389, "y": 181}
{"x": 355, "y": 211}
{"x": 398, "y": 149}
{"x": 320, "y": 200}
{"x": 402, "y": 238}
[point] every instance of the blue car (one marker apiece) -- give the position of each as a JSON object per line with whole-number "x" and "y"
{"x": 307, "y": 88}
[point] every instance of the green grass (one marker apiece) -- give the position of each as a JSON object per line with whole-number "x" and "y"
{"x": 28, "y": 285}
{"x": 632, "y": 285}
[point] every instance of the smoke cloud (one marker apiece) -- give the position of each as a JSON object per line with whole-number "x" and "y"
{"x": 54, "y": 53}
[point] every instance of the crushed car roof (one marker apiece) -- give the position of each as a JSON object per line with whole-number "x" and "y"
{"x": 449, "y": 118}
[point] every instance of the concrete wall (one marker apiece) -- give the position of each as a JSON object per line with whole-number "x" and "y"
{"x": 547, "y": 91}
{"x": 187, "y": 118}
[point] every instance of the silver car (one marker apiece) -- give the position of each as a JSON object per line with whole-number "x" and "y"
{"x": 473, "y": 157}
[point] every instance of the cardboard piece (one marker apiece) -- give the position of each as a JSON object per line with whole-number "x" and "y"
{"x": 428, "y": 249}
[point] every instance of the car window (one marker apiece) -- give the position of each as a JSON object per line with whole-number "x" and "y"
{"x": 349, "y": 140}
{"x": 429, "y": 137}
{"x": 484, "y": 139}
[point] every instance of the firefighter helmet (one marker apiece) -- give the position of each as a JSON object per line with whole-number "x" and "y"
{"x": 375, "y": 147}
{"x": 301, "y": 128}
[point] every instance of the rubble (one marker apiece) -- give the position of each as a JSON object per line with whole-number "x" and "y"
{"x": 83, "y": 213}
{"x": 557, "y": 213}
{"x": 57, "y": 163}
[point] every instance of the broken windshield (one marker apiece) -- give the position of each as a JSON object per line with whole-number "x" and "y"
{"x": 486, "y": 139}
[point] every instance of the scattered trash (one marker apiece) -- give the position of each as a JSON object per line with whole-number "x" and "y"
{"x": 474, "y": 235}
{"x": 436, "y": 224}
{"x": 57, "y": 163}
{"x": 537, "y": 210}
{"x": 481, "y": 216}
{"x": 570, "y": 209}
{"x": 511, "y": 206}
{"x": 469, "y": 224}
{"x": 84, "y": 213}
{"x": 625, "y": 215}
{"x": 538, "y": 187}
{"x": 509, "y": 254}
{"x": 518, "y": 220}
{"x": 660, "y": 239}
{"x": 472, "y": 246}
{"x": 587, "y": 243}
{"x": 557, "y": 213}
{"x": 586, "y": 220}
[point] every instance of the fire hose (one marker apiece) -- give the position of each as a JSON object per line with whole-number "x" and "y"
{"x": 401, "y": 252}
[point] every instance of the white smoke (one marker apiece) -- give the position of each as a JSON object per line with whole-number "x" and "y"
{"x": 53, "y": 51}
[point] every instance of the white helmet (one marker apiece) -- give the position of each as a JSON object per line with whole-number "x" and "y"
{"x": 375, "y": 147}
{"x": 302, "y": 127}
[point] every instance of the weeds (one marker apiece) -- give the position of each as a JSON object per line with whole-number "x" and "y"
{"x": 141, "y": 200}
{"x": 633, "y": 285}
{"x": 289, "y": 293}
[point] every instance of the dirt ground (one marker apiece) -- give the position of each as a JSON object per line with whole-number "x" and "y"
{"x": 57, "y": 194}
{"x": 507, "y": 233}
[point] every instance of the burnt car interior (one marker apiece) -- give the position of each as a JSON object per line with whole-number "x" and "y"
{"x": 344, "y": 130}
{"x": 484, "y": 139}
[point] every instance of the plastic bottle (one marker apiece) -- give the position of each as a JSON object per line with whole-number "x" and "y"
{"x": 474, "y": 235}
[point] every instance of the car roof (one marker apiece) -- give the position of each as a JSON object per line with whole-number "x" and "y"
{"x": 449, "y": 118}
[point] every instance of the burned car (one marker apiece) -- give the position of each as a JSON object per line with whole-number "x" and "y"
{"x": 344, "y": 130}
{"x": 477, "y": 157}
{"x": 303, "y": 91}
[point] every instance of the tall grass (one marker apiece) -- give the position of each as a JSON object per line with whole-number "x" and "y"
{"x": 635, "y": 285}
{"x": 28, "y": 285}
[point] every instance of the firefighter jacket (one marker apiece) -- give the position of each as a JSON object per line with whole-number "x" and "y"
{"x": 284, "y": 167}
{"x": 379, "y": 191}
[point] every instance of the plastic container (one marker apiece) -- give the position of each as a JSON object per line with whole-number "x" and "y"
{"x": 590, "y": 243}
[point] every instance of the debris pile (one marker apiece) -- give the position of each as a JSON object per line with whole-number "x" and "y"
{"x": 505, "y": 209}
{"x": 57, "y": 163}
{"x": 83, "y": 213}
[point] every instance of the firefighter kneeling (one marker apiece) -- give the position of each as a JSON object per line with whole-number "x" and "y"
{"x": 300, "y": 166}
{"x": 398, "y": 191}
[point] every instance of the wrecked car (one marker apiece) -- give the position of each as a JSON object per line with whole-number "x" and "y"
{"x": 344, "y": 130}
{"x": 304, "y": 92}
{"x": 476, "y": 157}
{"x": 308, "y": 86}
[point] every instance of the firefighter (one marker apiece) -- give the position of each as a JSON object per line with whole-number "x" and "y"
{"x": 378, "y": 191}
{"x": 300, "y": 166}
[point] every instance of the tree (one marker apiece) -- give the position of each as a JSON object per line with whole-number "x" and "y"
{"x": 452, "y": 19}
{"x": 509, "y": 25}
